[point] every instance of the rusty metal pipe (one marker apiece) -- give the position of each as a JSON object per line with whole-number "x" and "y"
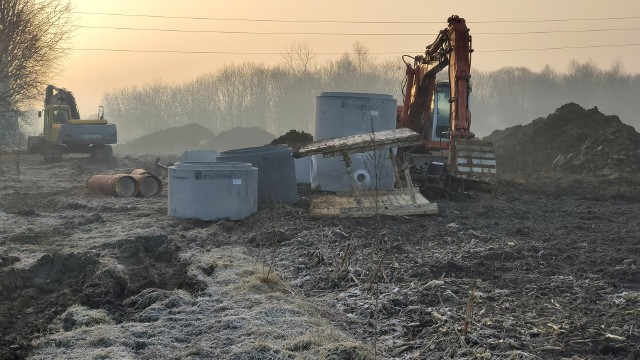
{"x": 120, "y": 185}
{"x": 149, "y": 184}
{"x": 140, "y": 172}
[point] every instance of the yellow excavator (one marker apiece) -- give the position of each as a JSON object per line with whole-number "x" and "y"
{"x": 64, "y": 131}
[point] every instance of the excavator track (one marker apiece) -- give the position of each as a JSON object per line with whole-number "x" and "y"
{"x": 101, "y": 153}
{"x": 52, "y": 152}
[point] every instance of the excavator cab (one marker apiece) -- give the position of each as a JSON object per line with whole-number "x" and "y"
{"x": 60, "y": 116}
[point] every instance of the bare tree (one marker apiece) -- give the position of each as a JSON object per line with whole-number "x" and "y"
{"x": 298, "y": 56}
{"x": 362, "y": 57}
{"x": 33, "y": 40}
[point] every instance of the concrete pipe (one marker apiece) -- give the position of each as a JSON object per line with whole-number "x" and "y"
{"x": 140, "y": 172}
{"x": 149, "y": 184}
{"x": 116, "y": 185}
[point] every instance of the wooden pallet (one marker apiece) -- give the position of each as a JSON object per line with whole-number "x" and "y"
{"x": 367, "y": 204}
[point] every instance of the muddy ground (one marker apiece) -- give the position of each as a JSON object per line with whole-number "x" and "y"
{"x": 547, "y": 269}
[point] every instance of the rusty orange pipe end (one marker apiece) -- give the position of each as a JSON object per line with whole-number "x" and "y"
{"x": 120, "y": 185}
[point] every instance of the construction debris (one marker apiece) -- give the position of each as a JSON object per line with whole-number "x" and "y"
{"x": 372, "y": 202}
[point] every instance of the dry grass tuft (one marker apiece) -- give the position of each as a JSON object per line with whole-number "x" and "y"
{"x": 78, "y": 316}
{"x": 263, "y": 282}
{"x": 347, "y": 350}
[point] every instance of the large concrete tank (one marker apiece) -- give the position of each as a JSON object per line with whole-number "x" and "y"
{"x": 303, "y": 170}
{"x": 342, "y": 114}
{"x": 276, "y": 169}
{"x": 212, "y": 190}
{"x": 200, "y": 156}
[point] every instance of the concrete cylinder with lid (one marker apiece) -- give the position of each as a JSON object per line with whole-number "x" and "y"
{"x": 212, "y": 190}
{"x": 200, "y": 156}
{"x": 276, "y": 169}
{"x": 341, "y": 114}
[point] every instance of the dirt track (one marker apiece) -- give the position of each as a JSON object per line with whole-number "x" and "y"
{"x": 549, "y": 269}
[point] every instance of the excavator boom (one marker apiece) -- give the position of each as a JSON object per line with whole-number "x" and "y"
{"x": 444, "y": 120}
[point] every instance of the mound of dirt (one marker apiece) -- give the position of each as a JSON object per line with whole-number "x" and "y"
{"x": 177, "y": 140}
{"x": 294, "y": 139}
{"x": 241, "y": 137}
{"x": 173, "y": 140}
{"x": 572, "y": 139}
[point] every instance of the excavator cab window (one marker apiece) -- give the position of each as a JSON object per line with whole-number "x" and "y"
{"x": 442, "y": 113}
{"x": 60, "y": 116}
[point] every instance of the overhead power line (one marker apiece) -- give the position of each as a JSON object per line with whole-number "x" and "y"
{"x": 348, "y": 21}
{"x": 340, "y": 53}
{"x": 559, "y": 48}
{"x": 344, "y": 33}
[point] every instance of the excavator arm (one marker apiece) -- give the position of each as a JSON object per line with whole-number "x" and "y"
{"x": 467, "y": 158}
{"x": 451, "y": 48}
{"x": 59, "y": 96}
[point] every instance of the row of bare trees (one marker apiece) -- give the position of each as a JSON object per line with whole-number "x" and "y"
{"x": 34, "y": 38}
{"x": 282, "y": 97}
{"x": 275, "y": 98}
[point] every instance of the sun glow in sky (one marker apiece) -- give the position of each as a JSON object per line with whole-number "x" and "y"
{"x": 89, "y": 73}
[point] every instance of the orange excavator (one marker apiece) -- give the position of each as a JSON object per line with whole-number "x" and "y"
{"x": 439, "y": 110}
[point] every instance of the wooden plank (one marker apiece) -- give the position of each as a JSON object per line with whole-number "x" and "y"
{"x": 393, "y": 202}
{"x": 361, "y": 143}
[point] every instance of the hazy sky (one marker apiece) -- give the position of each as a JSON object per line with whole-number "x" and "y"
{"x": 89, "y": 73}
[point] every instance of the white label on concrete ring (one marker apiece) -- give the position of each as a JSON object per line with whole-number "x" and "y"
{"x": 237, "y": 181}
{"x": 374, "y": 113}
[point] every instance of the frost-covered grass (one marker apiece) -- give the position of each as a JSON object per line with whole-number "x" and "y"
{"x": 240, "y": 314}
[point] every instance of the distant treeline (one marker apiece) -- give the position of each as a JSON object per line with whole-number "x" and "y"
{"x": 282, "y": 97}
{"x": 275, "y": 98}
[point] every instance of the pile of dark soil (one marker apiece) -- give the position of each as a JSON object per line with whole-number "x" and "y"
{"x": 169, "y": 141}
{"x": 241, "y": 137}
{"x": 32, "y": 295}
{"x": 573, "y": 140}
{"x": 294, "y": 139}
{"x": 177, "y": 140}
